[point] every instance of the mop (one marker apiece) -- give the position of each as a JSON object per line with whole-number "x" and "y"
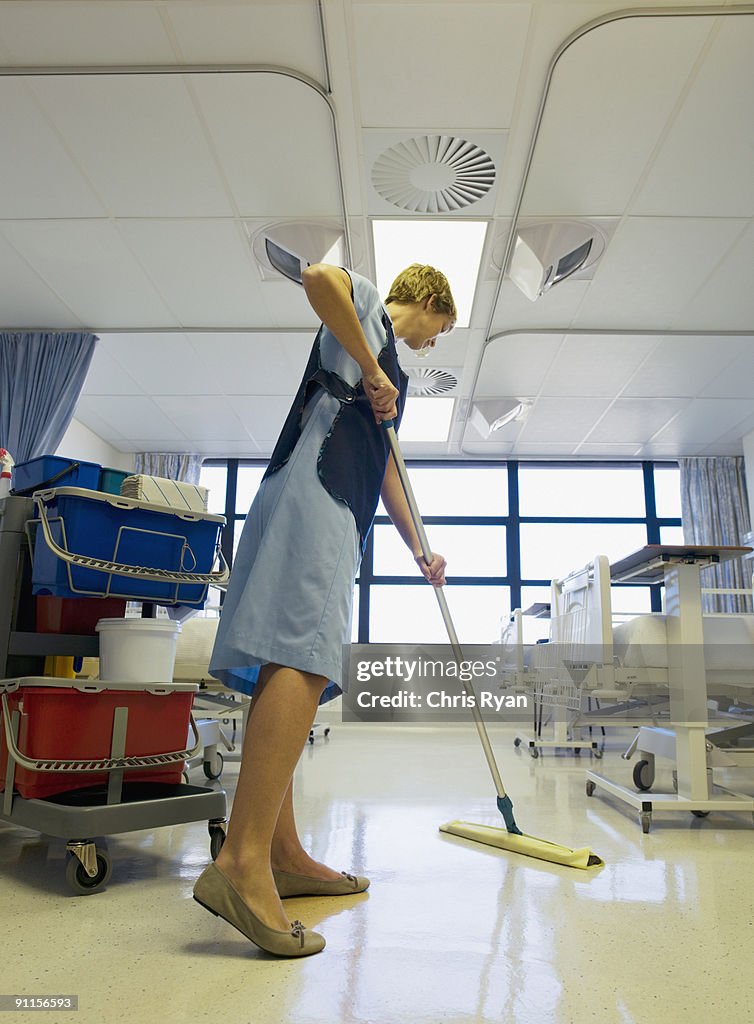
{"x": 511, "y": 838}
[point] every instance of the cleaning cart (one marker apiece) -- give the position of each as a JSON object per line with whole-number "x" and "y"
{"x": 83, "y": 759}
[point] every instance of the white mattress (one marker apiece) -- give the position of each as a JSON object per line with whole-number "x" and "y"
{"x": 728, "y": 642}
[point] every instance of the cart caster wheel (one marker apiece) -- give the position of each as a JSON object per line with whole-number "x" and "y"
{"x": 326, "y": 732}
{"x": 597, "y": 752}
{"x": 185, "y": 778}
{"x": 577, "y": 751}
{"x": 646, "y": 822}
{"x": 534, "y": 752}
{"x": 643, "y": 776}
{"x": 590, "y": 788}
{"x": 311, "y": 737}
{"x": 700, "y": 814}
{"x": 214, "y": 769}
{"x": 216, "y": 840}
{"x": 517, "y": 741}
{"x": 79, "y": 880}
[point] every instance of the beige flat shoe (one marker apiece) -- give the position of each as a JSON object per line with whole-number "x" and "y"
{"x": 290, "y": 884}
{"x": 216, "y": 893}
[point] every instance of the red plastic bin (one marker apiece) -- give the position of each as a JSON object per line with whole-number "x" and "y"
{"x": 69, "y": 719}
{"x": 77, "y": 616}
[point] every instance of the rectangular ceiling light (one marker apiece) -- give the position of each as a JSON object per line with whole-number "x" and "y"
{"x": 452, "y": 246}
{"x": 427, "y": 419}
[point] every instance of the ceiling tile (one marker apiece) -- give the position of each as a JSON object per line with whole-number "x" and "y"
{"x": 139, "y": 141}
{"x": 274, "y": 139}
{"x": 84, "y": 33}
{"x": 159, "y": 364}
{"x": 595, "y": 365}
{"x": 714, "y": 127}
{"x": 134, "y": 418}
{"x": 201, "y": 268}
{"x": 652, "y": 269}
{"x": 682, "y": 366}
{"x": 42, "y": 179}
{"x": 413, "y": 85}
{"x": 556, "y": 308}
{"x": 706, "y": 419}
{"x": 202, "y": 416}
{"x": 25, "y": 299}
{"x": 262, "y": 415}
{"x": 107, "y": 375}
{"x": 87, "y": 264}
{"x": 635, "y": 420}
{"x": 561, "y": 420}
{"x": 286, "y": 34}
{"x": 725, "y": 301}
{"x": 516, "y": 364}
{"x": 737, "y": 379}
{"x": 255, "y": 364}
{"x": 611, "y": 94}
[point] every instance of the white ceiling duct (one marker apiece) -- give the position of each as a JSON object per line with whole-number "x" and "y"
{"x": 546, "y": 254}
{"x": 430, "y": 381}
{"x": 287, "y": 248}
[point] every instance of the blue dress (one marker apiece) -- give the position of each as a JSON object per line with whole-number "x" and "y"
{"x": 290, "y": 594}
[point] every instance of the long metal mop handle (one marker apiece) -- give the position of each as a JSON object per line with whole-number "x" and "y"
{"x": 400, "y": 465}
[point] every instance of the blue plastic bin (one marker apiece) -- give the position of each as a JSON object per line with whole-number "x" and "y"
{"x": 111, "y": 479}
{"x": 54, "y": 471}
{"x": 125, "y": 531}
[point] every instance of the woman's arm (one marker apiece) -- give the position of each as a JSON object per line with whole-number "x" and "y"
{"x": 394, "y": 500}
{"x": 328, "y": 290}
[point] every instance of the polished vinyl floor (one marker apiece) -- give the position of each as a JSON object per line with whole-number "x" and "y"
{"x": 449, "y": 930}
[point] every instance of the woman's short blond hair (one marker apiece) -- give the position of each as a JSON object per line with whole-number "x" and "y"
{"x": 418, "y": 282}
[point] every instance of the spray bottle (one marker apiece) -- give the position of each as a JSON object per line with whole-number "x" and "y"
{"x": 6, "y": 465}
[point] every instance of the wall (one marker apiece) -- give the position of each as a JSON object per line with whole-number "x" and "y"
{"x": 82, "y": 443}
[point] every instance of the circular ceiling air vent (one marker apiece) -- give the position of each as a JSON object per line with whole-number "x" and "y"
{"x": 430, "y": 381}
{"x": 433, "y": 174}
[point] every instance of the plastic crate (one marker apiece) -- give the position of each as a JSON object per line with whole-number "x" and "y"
{"x": 77, "y": 616}
{"x": 53, "y": 471}
{"x": 72, "y": 719}
{"x": 90, "y": 524}
{"x": 111, "y": 479}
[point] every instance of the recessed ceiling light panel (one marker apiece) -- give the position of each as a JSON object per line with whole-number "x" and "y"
{"x": 433, "y": 174}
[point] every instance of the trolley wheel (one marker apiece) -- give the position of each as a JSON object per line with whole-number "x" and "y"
{"x": 597, "y": 751}
{"x": 213, "y": 769}
{"x": 80, "y": 881}
{"x": 185, "y": 777}
{"x": 643, "y": 776}
{"x": 700, "y": 814}
{"x": 646, "y": 821}
{"x": 534, "y": 752}
{"x": 311, "y": 736}
{"x": 590, "y": 787}
{"x": 577, "y": 751}
{"x": 517, "y": 741}
{"x": 216, "y": 840}
{"x": 326, "y": 733}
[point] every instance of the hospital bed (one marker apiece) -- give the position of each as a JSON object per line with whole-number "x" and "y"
{"x": 692, "y": 657}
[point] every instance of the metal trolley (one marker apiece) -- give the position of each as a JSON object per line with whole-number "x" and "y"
{"x": 84, "y": 816}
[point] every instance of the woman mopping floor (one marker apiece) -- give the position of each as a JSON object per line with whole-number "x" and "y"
{"x": 287, "y": 612}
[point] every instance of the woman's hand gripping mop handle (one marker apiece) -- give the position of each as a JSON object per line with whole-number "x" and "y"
{"x": 503, "y": 801}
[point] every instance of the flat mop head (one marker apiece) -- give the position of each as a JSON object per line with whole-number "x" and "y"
{"x": 526, "y": 845}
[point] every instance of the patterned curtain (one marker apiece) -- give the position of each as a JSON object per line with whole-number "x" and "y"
{"x": 41, "y": 377}
{"x": 170, "y": 465}
{"x": 715, "y": 510}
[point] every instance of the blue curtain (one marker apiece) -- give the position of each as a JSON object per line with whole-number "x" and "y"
{"x": 170, "y": 466}
{"x": 41, "y": 377}
{"x": 715, "y": 511}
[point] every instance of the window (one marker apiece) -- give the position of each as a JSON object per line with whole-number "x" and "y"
{"x": 506, "y": 530}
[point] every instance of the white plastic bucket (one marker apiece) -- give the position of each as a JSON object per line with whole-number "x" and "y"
{"x": 137, "y": 650}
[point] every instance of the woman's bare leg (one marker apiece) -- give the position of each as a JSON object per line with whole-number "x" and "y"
{"x": 277, "y": 728}
{"x": 287, "y": 853}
